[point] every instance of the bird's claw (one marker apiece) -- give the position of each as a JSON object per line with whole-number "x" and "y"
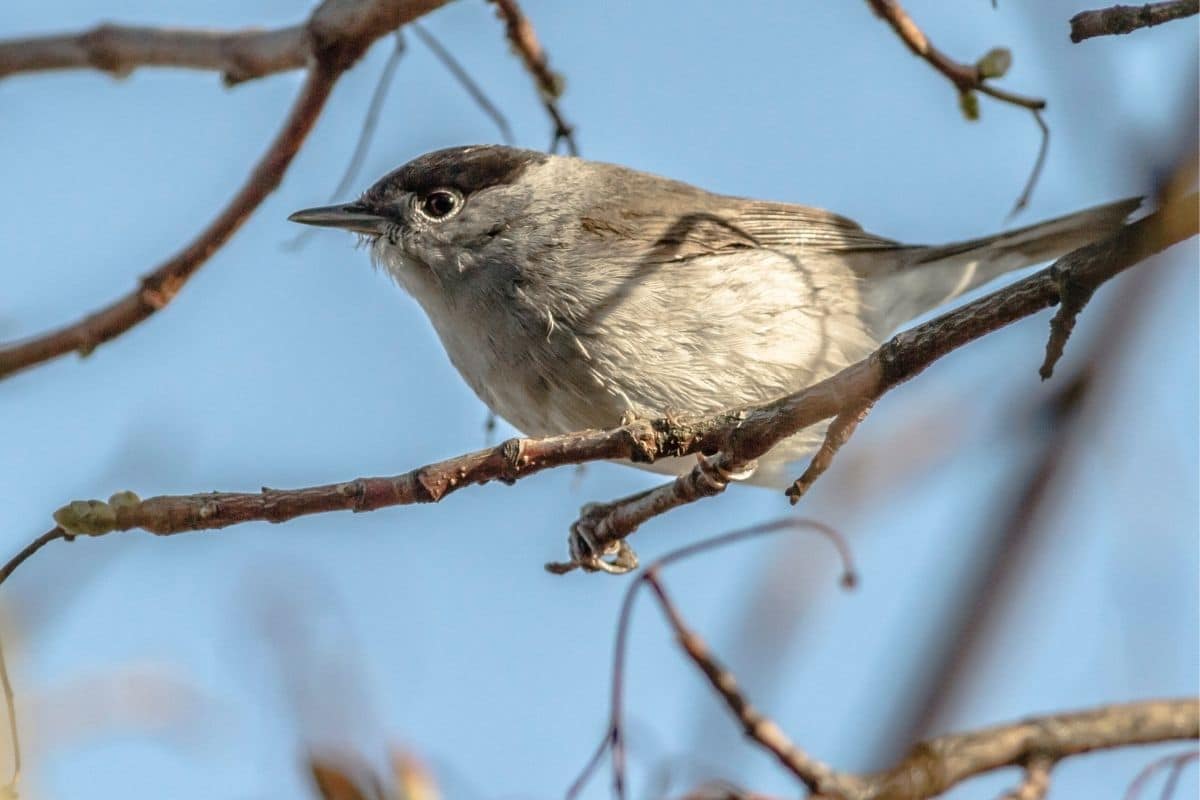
{"x": 590, "y": 552}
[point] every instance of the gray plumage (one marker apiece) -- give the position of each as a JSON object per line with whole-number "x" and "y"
{"x": 569, "y": 293}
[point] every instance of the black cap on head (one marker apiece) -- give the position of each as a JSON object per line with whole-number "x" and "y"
{"x": 467, "y": 169}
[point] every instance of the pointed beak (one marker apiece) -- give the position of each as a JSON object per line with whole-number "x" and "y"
{"x": 349, "y": 216}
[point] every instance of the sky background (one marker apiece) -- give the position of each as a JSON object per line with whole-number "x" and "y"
{"x": 205, "y": 665}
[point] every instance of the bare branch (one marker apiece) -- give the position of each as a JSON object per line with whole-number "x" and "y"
{"x": 756, "y": 726}
{"x": 838, "y": 433}
{"x": 549, "y": 83}
{"x": 119, "y": 49}
{"x": 1127, "y": 19}
{"x": 931, "y": 767}
{"x": 350, "y": 25}
{"x": 338, "y": 33}
{"x": 969, "y": 79}
{"x": 614, "y": 737}
{"x": 937, "y": 764}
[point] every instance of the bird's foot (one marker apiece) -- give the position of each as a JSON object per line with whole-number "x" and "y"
{"x": 591, "y": 550}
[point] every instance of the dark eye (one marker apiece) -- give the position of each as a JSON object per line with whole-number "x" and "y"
{"x": 439, "y": 204}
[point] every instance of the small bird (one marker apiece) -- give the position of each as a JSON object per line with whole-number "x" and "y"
{"x": 571, "y": 294}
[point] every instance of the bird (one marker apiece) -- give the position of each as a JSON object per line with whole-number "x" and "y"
{"x": 573, "y": 294}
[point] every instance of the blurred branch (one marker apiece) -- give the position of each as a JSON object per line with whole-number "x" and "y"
{"x": 970, "y": 79}
{"x": 739, "y": 437}
{"x": 10, "y": 788}
{"x": 1127, "y": 19}
{"x": 756, "y": 725}
{"x": 549, "y": 83}
{"x": 337, "y": 34}
{"x": 1172, "y": 764}
{"x": 931, "y": 767}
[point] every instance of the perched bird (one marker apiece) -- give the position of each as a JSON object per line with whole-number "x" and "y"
{"x": 571, "y": 293}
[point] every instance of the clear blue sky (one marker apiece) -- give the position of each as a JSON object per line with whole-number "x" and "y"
{"x": 198, "y": 666}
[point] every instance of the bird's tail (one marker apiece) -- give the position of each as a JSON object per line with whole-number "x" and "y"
{"x": 930, "y": 276}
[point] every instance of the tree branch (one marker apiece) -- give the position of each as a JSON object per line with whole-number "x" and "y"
{"x": 969, "y": 79}
{"x": 238, "y": 55}
{"x": 931, "y": 767}
{"x": 549, "y": 83}
{"x": 119, "y": 49}
{"x": 337, "y": 34}
{"x": 1127, "y": 19}
{"x": 739, "y": 437}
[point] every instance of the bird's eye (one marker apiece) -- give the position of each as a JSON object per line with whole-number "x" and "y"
{"x": 439, "y": 204}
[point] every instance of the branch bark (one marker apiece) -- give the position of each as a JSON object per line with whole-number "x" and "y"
{"x": 120, "y": 49}
{"x": 346, "y": 25}
{"x": 739, "y": 436}
{"x": 1127, "y": 19}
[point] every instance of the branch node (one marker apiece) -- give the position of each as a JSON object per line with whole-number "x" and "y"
{"x": 1073, "y": 295}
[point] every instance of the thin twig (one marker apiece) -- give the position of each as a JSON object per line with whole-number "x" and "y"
{"x": 549, "y": 83}
{"x": 466, "y": 81}
{"x": 969, "y": 79}
{"x": 11, "y": 710}
{"x": 759, "y": 728}
{"x": 837, "y": 434}
{"x": 1174, "y": 762}
{"x": 1127, "y": 19}
{"x": 37, "y": 544}
{"x": 614, "y": 735}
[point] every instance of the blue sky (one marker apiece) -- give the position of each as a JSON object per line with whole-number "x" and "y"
{"x": 203, "y": 665}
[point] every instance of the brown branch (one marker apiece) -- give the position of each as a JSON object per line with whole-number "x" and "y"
{"x": 119, "y": 49}
{"x": 936, "y": 765}
{"x": 739, "y": 436}
{"x": 614, "y": 736}
{"x": 969, "y": 79}
{"x": 238, "y": 55}
{"x": 838, "y": 433}
{"x": 757, "y": 727}
{"x": 1127, "y": 19}
{"x": 338, "y": 33}
{"x": 931, "y": 767}
{"x": 521, "y": 35}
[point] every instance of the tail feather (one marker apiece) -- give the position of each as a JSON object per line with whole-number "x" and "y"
{"x": 931, "y": 276}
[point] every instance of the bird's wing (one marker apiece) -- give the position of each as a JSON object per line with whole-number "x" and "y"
{"x": 694, "y": 223}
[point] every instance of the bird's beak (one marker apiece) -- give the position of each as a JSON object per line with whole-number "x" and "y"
{"x": 349, "y": 216}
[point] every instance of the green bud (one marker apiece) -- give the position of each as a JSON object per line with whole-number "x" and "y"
{"x": 969, "y": 103}
{"x": 995, "y": 63}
